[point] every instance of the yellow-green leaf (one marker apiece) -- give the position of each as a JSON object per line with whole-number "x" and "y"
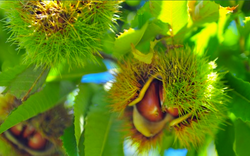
{"x": 175, "y": 13}
{"x": 146, "y": 58}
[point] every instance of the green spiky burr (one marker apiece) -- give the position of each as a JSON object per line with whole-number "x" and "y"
{"x": 180, "y": 91}
{"x": 53, "y": 32}
{"x": 194, "y": 86}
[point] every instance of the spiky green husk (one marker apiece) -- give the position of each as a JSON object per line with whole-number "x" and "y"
{"x": 191, "y": 83}
{"x": 59, "y": 31}
{"x": 129, "y": 82}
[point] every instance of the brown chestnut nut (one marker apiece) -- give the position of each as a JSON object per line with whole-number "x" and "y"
{"x": 150, "y": 105}
{"x": 17, "y": 129}
{"x": 28, "y": 131}
{"x": 173, "y": 111}
{"x": 37, "y": 142}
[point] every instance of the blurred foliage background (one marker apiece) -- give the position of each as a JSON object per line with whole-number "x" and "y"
{"x": 218, "y": 29}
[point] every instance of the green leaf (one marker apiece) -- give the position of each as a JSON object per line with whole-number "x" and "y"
{"x": 240, "y": 102}
{"x": 27, "y": 82}
{"x": 242, "y": 137}
{"x": 150, "y": 10}
{"x": 225, "y": 139}
{"x": 51, "y": 95}
{"x": 69, "y": 141}
{"x": 123, "y": 42}
{"x": 155, "y": 27}
{"x": 206, "y": 34}
{"x": 114, "y": 143}
{"x": 167, "y": 142}
{"x": 7, "y": 76}
{"x": 102, "y": 131}
{"x": 81, "y": 147}
{"x": 203, "y": 12}
{"x": 146, "y": 58}
{"x": 75, "y": 73}
{"x": 206, "y": 12}
{"x": 174, "y": 13}
{"x": 82, "y": 103}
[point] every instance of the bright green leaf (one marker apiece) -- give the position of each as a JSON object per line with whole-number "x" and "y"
{"x": 240, "y": 97}
{"x": 155, "y": 27}
{"x": 202, "y": 12}
{"x": 102, "y": 131}
{"x": 69, "y": 141}
{"x": 225, "y": 139}
{"x": 146, "y": 58}
{"x": 51, "y": 95}
{"x": 27, "y": 82}
{"x": 123, "y": 42}
{"x": 174, "y": 13}
{"x": 201, "y": 45}
{"x": 242, "y": 137}
{"x": 150, "y": 10}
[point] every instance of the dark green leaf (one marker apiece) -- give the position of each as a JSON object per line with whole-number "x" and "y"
{"x": 242, "y": 137}
{"x": 69, "y": 141}
{"x": 27, "y": 82}
{"x": 7, "y": 76}
{"x": 81, "y": 147}
{"x": 240, "y": 101}
{"x": 167, "y": 142}
{"x": 102, "y": 133}
{"x": 75, "y": 73}
{"x": 82, "y": 103}
{"x": 51, "y": 95}
{"x": 225, "y": 139}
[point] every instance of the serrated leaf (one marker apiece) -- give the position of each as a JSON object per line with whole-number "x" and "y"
{"x": 81, "y": 106}
{"x": 51, "y": 95}
{"x": 69, "y": 141}
{"x": 7, "y": 76}
{"x": 225, "y": 139}
{"x": 102, "y": 130}
{"x": 123, "y": 42}
{"x": 174, "y": 13}
{"x": 240, "y": 102}
{"x": 27, "y": 82}
{"x": 242, "y": 137}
